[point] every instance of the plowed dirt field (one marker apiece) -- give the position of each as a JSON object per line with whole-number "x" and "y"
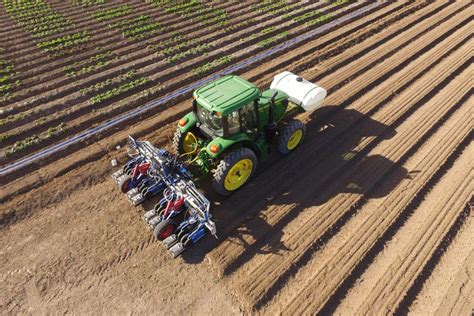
{"x": 372, "y": 214}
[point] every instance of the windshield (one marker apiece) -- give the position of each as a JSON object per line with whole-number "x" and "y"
{"x": 212, "y": 120}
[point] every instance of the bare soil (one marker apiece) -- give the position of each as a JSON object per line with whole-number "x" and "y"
{"x": 371, "y": 215}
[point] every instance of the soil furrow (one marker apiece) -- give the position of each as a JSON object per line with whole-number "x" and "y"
{"x": 351, "y": 252}
{"x": 273, "y": 268}
{"x": 455, "y": 264}
{"x": 417, "y": 231}
{"x": 459, "y": 298}
{"x": 410, "y": 16}
{"x": 404, "y": 273}
{"x": 367, "y": 216}
{"x": 367, "y": 103}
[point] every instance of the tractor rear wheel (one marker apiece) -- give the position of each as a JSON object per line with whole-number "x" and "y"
{"x": 290, "y": 136}
{"x": 184, "y": 143}
{"x": 232, "y": 172}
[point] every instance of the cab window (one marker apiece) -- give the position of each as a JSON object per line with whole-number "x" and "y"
{"x": 249, "y": 118}
{"x": 233, "y": 122}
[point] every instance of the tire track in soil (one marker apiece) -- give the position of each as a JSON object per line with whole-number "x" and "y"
{"x": 275, "y": 270}
{"x": 367, "y": 108}
{"x": 453, "y": 266}
{"x": 459, "y": 299}
{"x": 400, "y": 274}
{"x": 398, "y": 207}
{"x": 324, "y": 271}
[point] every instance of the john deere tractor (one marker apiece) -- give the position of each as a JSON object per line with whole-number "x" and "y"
{"x": 233, "y": 124}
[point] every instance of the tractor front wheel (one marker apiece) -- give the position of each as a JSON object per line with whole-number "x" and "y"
{"x": 232, "y": 172}
{"x": 184, "y": 143}
{"x": 290, "y": 136}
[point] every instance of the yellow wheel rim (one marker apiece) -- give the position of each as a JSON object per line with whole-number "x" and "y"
{"x": 294, "y": 139}
{"x": 238, "y": 174}
{"x": 189, "y": 143}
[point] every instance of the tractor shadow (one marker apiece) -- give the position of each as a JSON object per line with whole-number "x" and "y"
{"x": 331, "y": 168}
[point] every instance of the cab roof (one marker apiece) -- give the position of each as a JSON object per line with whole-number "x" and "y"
{"x": 226, "y": 94}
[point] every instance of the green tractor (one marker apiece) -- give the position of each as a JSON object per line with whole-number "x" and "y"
{"x": 233, "y": 124}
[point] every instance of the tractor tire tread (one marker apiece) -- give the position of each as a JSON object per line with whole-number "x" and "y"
{"x": 286, "y": 133}
{"x": 226, "y": 164}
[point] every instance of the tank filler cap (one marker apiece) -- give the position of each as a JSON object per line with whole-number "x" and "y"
{"x": 299, "y": 79}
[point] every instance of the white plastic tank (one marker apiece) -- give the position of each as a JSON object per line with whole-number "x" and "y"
{"x": 301, "y": 92}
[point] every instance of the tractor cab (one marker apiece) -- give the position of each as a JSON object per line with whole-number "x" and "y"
{"x": 226, "y": 107}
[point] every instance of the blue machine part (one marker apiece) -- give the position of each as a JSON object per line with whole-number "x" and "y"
{"x": 168, "y": 175}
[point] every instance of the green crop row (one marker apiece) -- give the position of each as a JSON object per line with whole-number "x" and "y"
{"x": 168, "y": 51}
{"x": 62, "y": 39}
{"x": 118, "y": 91}
{"x": 236, "y": 26}
{"x": 148, "y": 28}
{"x": 213, "y": 64}
{"x": 6, "y": 87}
{"x": 41, "y": 20}
{"x": 340, "y": 2}
{"x": 111, "y": 13}
{"x": 181, "y": 8}
{"x": 272, "y": 39}
{"x": 204, "y": 13}
{"x": 142, "y": 19}
{"x": 139, "y": 27}
{"x": 6, "y": 73}
{"x": 89, "y": 65}
{"x": 13, "y": 118}
{"x": 272, "y": 7}
{"x": 189, "y": 52}
{"x": 63, "y": 42}
{"x": 175, "y": 38}
{"x": 87, "y": 3}
{"x": 36, "y": 17}
{"x": 32, "y": 140}
{"x": 320, "y": 20}
{"x": 96, "y": 88}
